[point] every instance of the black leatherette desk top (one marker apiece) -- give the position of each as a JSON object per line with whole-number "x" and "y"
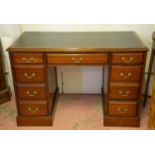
{"x": 78, "y": 41}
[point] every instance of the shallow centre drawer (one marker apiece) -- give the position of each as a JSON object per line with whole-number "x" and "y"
{"x": 33, "y": 107}
{"x": 126, "y": 73}
{"x": 119, "y": 108}
{"x": 63, "y": 59}
{"x": 29, "y": 73}
{"x": 124, "y": 91}
{"x": 27, "y": 58}
{"x": 31, "y": 92}
{"x": 127, "y": 58}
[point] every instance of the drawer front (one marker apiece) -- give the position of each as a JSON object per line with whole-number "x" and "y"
{"x": 77, "y": 59}
{"x": 27, "y": 58}
{"x": 124, "y": 91}
{"x": 29, "y": 73}
{"x": 33, "y": 107}
{"x": 122, "y": 108}
{"x": 126, "y": 73}
{"x": 127, "y": 58}
{"x": 31, "y": 92}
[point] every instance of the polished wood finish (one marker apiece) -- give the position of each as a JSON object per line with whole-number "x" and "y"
{"x": 119, "y": 108}
{"x": 75, "y": 59}
{"x": 31, "y": 92}
{"x": 34, "y": 121}
{"x": 29, "y": 73}
{"x": 33, "y": 108}
{"x": 124, "y": 91}
{"x": 128, "y": 58}
{"x": 126, "y": 73}
{"x": 122, "y": 121}
{"x": 123, "y": 53}
{"x": 27, "y": 58}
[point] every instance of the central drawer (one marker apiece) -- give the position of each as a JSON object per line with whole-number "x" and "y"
{"x": 31, "y": 92}
{"x": 124, "y": 91}
{"x": 63, "y": 59}
{"x": 29, "y": 73}
{"x": 126, "y": 73}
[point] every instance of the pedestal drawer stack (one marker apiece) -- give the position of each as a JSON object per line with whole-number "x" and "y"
{"x": 30, "y": 84}
{"x": 124, "y": 86}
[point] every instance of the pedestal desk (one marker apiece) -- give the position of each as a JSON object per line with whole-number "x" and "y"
{"x": 35, "y": 55}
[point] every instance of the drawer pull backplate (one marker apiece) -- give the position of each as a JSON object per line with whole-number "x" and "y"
{"x": 31, "y": 95}
{"x": 124, "y": 93}
{"x": 129, "y": 60}
{"x": 125, "y": 76}
{"x": 33, "y": 110}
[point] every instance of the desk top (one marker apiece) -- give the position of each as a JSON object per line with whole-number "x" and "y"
{"x": 78, "y": 41}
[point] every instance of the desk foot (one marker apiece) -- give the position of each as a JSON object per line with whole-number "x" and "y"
{"x": 122, "y": 121}
{"x": 34, "y": 121}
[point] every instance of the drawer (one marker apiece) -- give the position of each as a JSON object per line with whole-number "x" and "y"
{"x": 63, "y": 59}
{"x": 27, "y": 58}
{"x": 33, "y": 107}
{"x": 126, "y": 108}
{"x": 31, "y": 92}
{"x": 126, "y": 73}
{"x": 124, "y": 91}
{"x": 127, "y": 58}
{"x": 29, "y": 73}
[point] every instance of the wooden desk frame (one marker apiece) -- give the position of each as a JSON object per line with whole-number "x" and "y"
{"x": 120, "y": 109}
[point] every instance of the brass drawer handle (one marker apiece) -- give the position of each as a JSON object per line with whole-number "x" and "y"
{"x": 122, "y": 110}
{"x": 31, "y": 95}
{"x": 129, "y": 60}
{"x": 125, "y": 76}
{"x": 29, "y": 76}
{"x": 33, "y": 110}
{"x": 124, "y": 93}
{"x": 26, "y": 60}
{"x": 77, "y": 61}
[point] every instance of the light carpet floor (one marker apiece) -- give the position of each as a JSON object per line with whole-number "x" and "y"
{"x": 73, "y": 112}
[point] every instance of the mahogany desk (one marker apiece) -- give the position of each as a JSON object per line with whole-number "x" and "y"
{"x": 35, "y": 55}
